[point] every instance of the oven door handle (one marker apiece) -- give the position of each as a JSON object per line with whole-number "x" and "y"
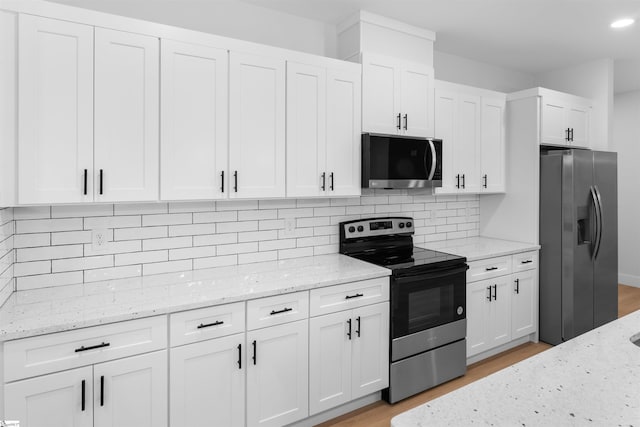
{"x": 431, "y": 274}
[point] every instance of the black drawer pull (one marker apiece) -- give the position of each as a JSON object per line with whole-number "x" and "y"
{"x": 354, "y": 296}
{"x": 216, "y": 323}
{"x": 490, "y": 268}
{"x": 93, "y": 347}
{"x": 284, "y": 310}
{"x": 527, "y": 261}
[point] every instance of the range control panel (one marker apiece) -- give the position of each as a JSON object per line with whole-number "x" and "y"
{"x": 377, "y": 227}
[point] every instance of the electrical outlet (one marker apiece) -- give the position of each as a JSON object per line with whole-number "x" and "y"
{"x": 99, "y": 240}
{"x": 289, "y": 227}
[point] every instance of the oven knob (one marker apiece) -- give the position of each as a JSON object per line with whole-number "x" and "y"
{"x": 360, "y": 228}
{"x": 352, "y": 229}
{"x": 409, "y": 224}
{"x": 401, "y": 225}
{"x": 460, "y": 310}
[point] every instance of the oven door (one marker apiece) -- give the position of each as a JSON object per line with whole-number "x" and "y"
{"x": 426, "y": 300}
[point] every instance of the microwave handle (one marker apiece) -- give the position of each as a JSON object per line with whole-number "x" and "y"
{"x": 434, "y": 160}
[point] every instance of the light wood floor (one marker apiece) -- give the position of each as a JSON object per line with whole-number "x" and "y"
{"x": 379, "y": 414}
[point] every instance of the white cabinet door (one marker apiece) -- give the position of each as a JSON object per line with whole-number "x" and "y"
{"x": 554, "y": 129}
{"x": 127, "y": 72}
{"x": 343, "y": 132}
{"x": 277, "y": 374}
{"x": 55, "y": 147}
{"x": 207, "y": 383}
{"x": 52, "y": 400}
{"x": 194, "y": 131}
{"x": 306, "y": 130}
{"x": 446, "y": 105}
{"x": 467, "y": 143}
{"x": 525, "y": 307}
{"x": 578, "y": 121}
{"x": 257, "y": 126}
{"x": 492, "y": 149}
{"x": 478, "y": 306}
{"x": 330, "y": 361}
{"x": 131, "y": 392}
{"x": 417, "y": 100}
{"x": 370, "y": 340}
{"x": 381, "y": 83}
{"x": 500, "y": 311}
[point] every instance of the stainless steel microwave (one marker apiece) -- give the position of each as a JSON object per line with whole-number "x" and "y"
{"x": 391, "y": 161}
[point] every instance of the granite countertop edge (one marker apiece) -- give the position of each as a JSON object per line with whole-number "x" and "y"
{"x": 480, "y": 247}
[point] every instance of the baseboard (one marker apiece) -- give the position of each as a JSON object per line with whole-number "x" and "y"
{"x": 629, "y": 280}
{"x": 337, "y": 411}
{"x": 504, "y": 347}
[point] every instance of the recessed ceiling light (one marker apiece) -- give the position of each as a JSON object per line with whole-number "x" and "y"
{"x": 621, "y": 23}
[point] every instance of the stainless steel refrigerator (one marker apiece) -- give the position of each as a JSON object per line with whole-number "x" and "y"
{"x": 579, "y": 242}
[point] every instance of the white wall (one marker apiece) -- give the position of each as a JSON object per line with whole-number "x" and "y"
{"x": 461, "y": 70}
{"x": 592, "y": 80}
{"x": 227, "y": 18}
{"x": 626, "y": 141}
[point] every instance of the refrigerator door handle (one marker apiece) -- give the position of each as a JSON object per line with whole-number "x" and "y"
{"x": 595, "y": 197}
{"x": 600, "y": 221}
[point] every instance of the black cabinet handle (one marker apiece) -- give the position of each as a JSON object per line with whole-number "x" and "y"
{"x": 489, "y": 296}
{"x": 101, "y": 180}
{"x": 331, "y": 181}
{"x": 485, "y": 180}
{"x": 102, "y": 390}
{"x": 517, "y": 286}
{"x": 399, "y": 126}
{"x": 85, "y": 181}
{"x": 323, "y": 176}
{"x": 571, "y": 134}
{"x": 463, "y": 182}
{"x": 406, "y": 121}
{"x": 83, "y": 394}
{"x": 358, "y": 327}
{"x": 458, "y": 181}
{"x": 216, "y": 323}
{"x": 255, "y": 351}
{"x": 349, "y": 333}
{"x": 526, "y": 261}
{"x": 284, "y": 310}
{"x": 222, "y": 184}
{"x": 568, "y": 137}
{"x": 239, "y": 356}
{"x": 235, "y": 181}
{"x": 495, "y": 292}
{"x": 93, "y": 347}
{"x": 490, "y": 268}
{"x": 354, "y": 296}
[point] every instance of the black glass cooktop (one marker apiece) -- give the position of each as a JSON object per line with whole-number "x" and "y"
{"x": 411, "y": 259}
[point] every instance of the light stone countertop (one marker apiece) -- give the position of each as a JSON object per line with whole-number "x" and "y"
{"x": 56, "y": 309}
{"x": 475, "y": 248}
{"x": 591, "y": 380}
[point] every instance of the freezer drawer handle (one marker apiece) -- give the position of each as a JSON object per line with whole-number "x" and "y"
{"x": 93, "y": 347}
{"x": 216, "y": 323}
{"x": 491, "y": 268}
{"x": 526, "y": 261}
{"x": 284, "y": 310}
{"x": 354, "y": 296}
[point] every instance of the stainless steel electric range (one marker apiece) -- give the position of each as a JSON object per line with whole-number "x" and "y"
{"x": 428, "y": 293}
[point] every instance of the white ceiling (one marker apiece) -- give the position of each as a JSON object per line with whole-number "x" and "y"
{"x": 525, "y": 35}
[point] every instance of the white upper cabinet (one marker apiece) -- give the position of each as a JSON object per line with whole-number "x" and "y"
{"x": 492, "y": 149}
{"x": 55, "y": 149}
{"x": 126, "y": 116}
{"x": 194, "y": 122}
{"x": 467, "y": 144}
{"x": 323, "y": 131}
{"x": 397, "y": 96}
{"x": 257, "y": 126}
{"x": 565, "y": 119}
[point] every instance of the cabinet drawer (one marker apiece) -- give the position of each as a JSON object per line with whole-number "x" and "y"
{"x": 277, "y": 310}
{"x": 43, "y": 354}
{"x": 350, "y": 295}
{"x": 205, "y": 323}
{"x": 488, "y": 268}
{"x": 525, "y": 261}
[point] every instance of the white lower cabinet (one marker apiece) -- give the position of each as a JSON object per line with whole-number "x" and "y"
{"x": 488, "y": 321}
{"x": 125, "y": 392}
{"x": 277, "y": 374}
{"x": 525, "y": 308}
{"x": 208, "y": 383}
{"x": 349, "y": 355}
